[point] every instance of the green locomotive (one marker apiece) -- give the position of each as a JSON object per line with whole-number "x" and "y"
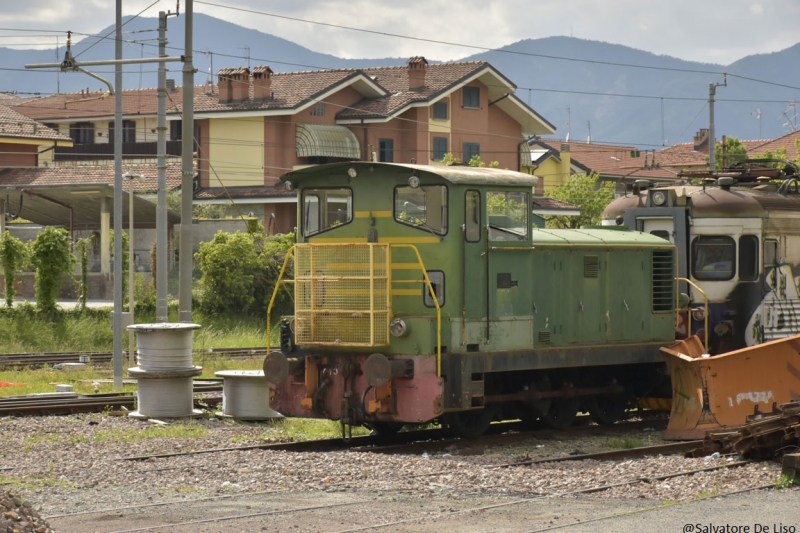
{"x": 425, "y": 293}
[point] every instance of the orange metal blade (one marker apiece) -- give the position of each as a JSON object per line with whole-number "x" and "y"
{"x": 711, "y": 393}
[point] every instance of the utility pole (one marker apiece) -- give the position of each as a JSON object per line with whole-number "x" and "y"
{"x": 187, "y": 176}
{"x": 712, "y": 144}
{"x": 118, "y": 133}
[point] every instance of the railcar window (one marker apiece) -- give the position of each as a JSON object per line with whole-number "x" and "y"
{"x": 748, "y": 258}
{"x": 422, "y": 207}
{"x": 508, "y": 215}
{"x": 664, "y": 234}
{"x": 472, "y": 216}
{"x": 713, "y": 257}
{"x": 324, "y": 209}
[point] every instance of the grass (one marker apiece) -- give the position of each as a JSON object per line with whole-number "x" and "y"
{"x": 626, "y": 443}
{"x": 311, "y": 428}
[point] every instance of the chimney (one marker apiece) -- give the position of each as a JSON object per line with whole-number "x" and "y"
{"x": 566, "y": 163}
{"x": 224, "y": 85}
{"x": 701, "y": 141}
{"x": 240, "y": 85}
{"x": 416, "y": 73}
{"x": 170, "y": 85}
{"x": 262, "y": 82}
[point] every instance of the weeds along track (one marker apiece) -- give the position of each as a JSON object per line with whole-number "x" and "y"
{"x": 37, "y": 360}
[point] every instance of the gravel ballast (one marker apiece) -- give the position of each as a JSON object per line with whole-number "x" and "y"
{"x": 75, "y": 463}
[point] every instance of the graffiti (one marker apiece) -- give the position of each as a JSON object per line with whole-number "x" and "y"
{"x": 755, "y": 397}
{"x": 778, "y": 315}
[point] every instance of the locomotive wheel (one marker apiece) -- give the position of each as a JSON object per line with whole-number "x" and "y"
{"x": 562, "y": 412}
{"x": 384, "y": 429}
{"x": 469, "y": 424}
{"x": 608, "y": 409}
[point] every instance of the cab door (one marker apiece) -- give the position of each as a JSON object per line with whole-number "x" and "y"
{"x": 473, "y": 283}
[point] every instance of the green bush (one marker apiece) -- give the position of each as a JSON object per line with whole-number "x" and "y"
{"x": 239, "y": 272}
{"x": 53, "y": 260}
{"x": 14, "y": 256}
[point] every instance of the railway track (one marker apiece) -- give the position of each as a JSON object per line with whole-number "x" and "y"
{"x": 434, "y": 440}
{"x": 35, "y": 360}
{"x": 71, "y": 403}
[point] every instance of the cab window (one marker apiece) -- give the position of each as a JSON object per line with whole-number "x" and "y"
{"x": 324, "y": 209}
{"x": 508, "y": 215}
{"x": 472, "y": 211}
{"x": 422, "y": 207}
{"x": 748, "y": 258}
{"x": 713, "y": 257}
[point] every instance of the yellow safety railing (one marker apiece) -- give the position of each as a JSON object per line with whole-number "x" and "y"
{"x": 342, "y": 294}
{"x": 435, "y": 301}
{"x": 689, "y": 311}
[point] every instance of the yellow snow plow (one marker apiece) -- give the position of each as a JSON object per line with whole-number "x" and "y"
{"x": 712, "y": 393}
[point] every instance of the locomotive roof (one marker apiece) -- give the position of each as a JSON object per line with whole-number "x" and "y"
{"x": 456, "y": 174}
{"x": 600, "y": 237}
{"x": 747, "y": 202}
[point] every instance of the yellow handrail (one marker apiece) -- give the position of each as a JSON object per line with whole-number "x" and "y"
{"x": 278, "y": 284}
{"x": 689, "y": 313}
{"x": 435, "y": 301}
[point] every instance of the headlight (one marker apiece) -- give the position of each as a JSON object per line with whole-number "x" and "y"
{"x": 659, "y": 197}
{"x": 699, "y": 314}
{"x": 289, "y": 186}
{"x": 397, "y": 327}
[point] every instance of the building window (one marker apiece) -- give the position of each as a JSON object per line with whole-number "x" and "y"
{"x": 440, "y": 110}
{"x": 128, "y": 131}
{"x": 82, "y": 132}
{"x": 439, "y": 148}
{"x": 386, "y": 150}
{"x": 175, "y": 130}
{"x": 471, "y": 150}
{"x": 318, "y": 110}
{"x": 713, "y": 257}
{"x": 472, "y": 97}
{"x": 51, "y": 125}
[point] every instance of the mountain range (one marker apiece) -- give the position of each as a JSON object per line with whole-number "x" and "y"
{"x": 593, "y": 91}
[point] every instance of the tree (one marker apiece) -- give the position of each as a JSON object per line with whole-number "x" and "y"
{"x": 14, "y": 256}
{"x": 735, "y": 151}
{"x": 53, "y": 259}
{"x": 587, "y": 192}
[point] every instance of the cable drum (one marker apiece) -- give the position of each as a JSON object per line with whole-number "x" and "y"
{"x": 164, "y": 346}
{"x": 165, "y": 394}
{"x": 245, "y": 395}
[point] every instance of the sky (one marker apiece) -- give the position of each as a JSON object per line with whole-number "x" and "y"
{"x": 709, "y": 31}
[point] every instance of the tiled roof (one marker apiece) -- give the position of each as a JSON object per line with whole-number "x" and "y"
{"x": 97, "y": 104}
{"x": 289, "y": 90}
{"x": 611, "y": 160}
{"x": 545, "y": 202}
{"x": 788, "y": 141}
{"x": 89, "y": 175}
{"x": 267, "y": 191}
{"x": 13, "y": 124}
{"x": 438, "y": 79}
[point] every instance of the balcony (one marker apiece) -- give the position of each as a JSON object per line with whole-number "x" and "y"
{"x": 105, "y": 151}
